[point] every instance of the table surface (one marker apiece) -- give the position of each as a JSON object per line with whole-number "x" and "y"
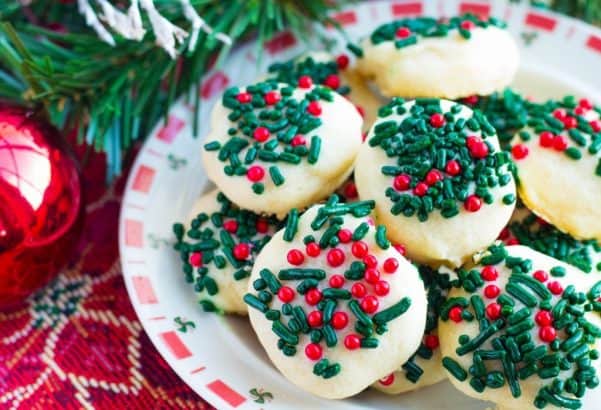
{"x": 77, "y": 343}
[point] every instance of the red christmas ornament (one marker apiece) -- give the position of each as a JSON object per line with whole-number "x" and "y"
{"x": 40, "y": 203}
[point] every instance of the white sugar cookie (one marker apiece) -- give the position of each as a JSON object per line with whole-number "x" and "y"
{"x": 335, "y": 306}
{"x": 442, "y": 186}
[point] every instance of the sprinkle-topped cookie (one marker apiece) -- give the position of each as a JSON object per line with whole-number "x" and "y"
{"x": 444, "y": 58}
{"x": 522, "y": 330}
{"x": 217, "y": 248}
{"x": 274, "y": 147}
{"x": 330, "y": 294}
{"x": 428, "y": 162}
{"x": 424, "y": 368}
{"x": 558, "y": 157}
{"x": 527, "y": 229}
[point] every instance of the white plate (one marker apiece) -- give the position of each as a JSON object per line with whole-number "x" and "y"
{"x": 220, "y": 358}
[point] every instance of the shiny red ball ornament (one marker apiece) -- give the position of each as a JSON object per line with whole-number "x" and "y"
{"x": 342, "y": 61}
{"x": 40, "y": 203}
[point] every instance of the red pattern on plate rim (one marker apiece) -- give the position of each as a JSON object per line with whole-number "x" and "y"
{"x": 143, "y": 179}
{"x": 226, "y": 393}
{"x": 414, "y": 8}
{"x": 171, "y": 129}
{"x": 144, "y": 291}
{"x": 214, "y": 84}
{"x": 175, "y": 345}
{"x": 541, "y": 21}
{"x": 480, "y": 9}
{"x": 134, "y": 232}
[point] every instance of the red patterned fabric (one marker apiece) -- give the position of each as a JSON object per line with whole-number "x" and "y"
{"x": 77, "y": 343}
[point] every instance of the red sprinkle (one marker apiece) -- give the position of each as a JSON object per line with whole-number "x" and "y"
{"x": 493, "y": 311}
{"x": 519, "y": 151}
{"x": 370, "y": 261}
{"x": 570, "y": 122}
{"x": 547, "y": 333}
{"x": 314, "y": 108}
{"x": 579, "y": 111}
{"x": 400, "y": 249}
{"x": 255, "y": 173}
{"x": 471, "y": 100}
{"x": 313, "y": 296}
{"x": 390, "y": 265}
{"x": 402, "y": 182}
{"x": 543, "y": 318}
{"x": 504, "y": 234}
{"x": 350, "y": 190}
{"x": 315, "y": 318}
{"x": 272, "y": 97}
{"x": 369, "y": 304}
{"x": 244, "y": 98}
{"x": 559, "y": 113}
{"x": 313, "y": 351}
{"x": 335, "y": 257}
{"x": 261, "y": 134}
{"x": 545, "y": 139}
{"x": 595, "y": 125}
{"x": 352, "y": 341}
{"x": 313, "y": 249}
{"x": 361, "y": 112}
{"x": 467, "y": 25}
{"x": 298, "y": 140}
{"x": 473, "y": 203}
{"x": 555, "y": 288}
{"x": 491, "y": 291}
{"x": 420, "y": 189}
{"x": 541, "y": 276}
{"x": 585, "y": 103}
{"x": 241, "y": 251}
{"x": 261, "y": 226}
{"x": 231, "y": 226}
{"x": 433, "y": 176}
{"x": 305, "y": 81}
{"x": 478, "y": 149}
{"x": 359, "y": 249}
{"x": 345, "y": 235}
{"x": 453, "y": 168}
{"x": 371, "y": 276}
{"x": 332, "y": 81}
{"x": 455, "y": 314}
{"x": 286, "y": 294}
{"x": 358, "y": 290}
{"x": 339, "y": 320}
{"x": 342, "y": 61}
{"x": 431, "y": 341}
{"x": 387, "y": 381}
{"x": 489, "y": 273}
{"x": 437, "y": 120}
{"x": 560, "y": 143}
{"x": 382, "y": 288}
{"x": 336, "y": 281}
{"x": 403, "y": 32}
{"x": 295, "y": 257}
{"x": 195, "y": 259}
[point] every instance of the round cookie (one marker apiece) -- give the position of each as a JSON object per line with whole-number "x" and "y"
{"x": 273, "y": 147}
{"x": 335, "y": 306}
{"x": 558, "y": 158}
{"x": 424, "y": 368}
{"x": 334, "y": 72}
{"x": 425, "y": 57}
{"x": 522, "y": 330}
{"x": 442, "y": 186}
{"x": 217, "y": 247}
{"x": 527, "y": 229}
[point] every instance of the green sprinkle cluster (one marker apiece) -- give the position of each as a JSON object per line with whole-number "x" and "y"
{"x": 564, "y": 363}
{"x": 284, "y": 119}
{"x": 437, "y": 285}
{"x": 289, "y": 320}
{"x": 547, "y": 239}
{"x": 429, "y": 27}
{"x": 419, "y": 148}
{"x": 207, "y": 237}
{"x": 290, "y": 71}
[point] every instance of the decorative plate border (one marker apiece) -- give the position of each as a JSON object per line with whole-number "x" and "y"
{"x": 157, "y": 194}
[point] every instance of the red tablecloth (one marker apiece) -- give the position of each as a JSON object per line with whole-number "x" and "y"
{"x": 77, "y": 343}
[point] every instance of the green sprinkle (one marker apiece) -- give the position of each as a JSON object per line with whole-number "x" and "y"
{"x": 454, "y": 368}
{"x": 270, "y": 279}
{"x": 284, "y": 333}
{"x": 558, "y": 271}
{"x": 573, "y": 153}
{"x": 355, "y": 49}
{"x": 360, "y": 231}
{"x": 392, "y": 312}
{"x": 276, "y": 175}
{"x": 254, "y": 302}
{"x": 381, "y": 239}
{"x": 509, "y": 199}
{"x": 359, "y": 314}
{"x": 369, "y": 343}
{"x": 291, "y": 225}
{"x": 314, "y": 149}
{"x": 336, "y": 293}
{"x": 212, "y": 146}
{"x": 300, "y": 274}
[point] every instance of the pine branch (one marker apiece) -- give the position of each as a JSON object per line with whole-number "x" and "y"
{"x": 113, "y": 95}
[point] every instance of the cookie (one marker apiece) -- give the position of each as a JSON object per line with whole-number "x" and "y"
{"x": 522, "y": 330}
{"x": 442, "y": 186}
{"x": 217, "y": 247}
{"x": 334, "y": 304}
{"x": 558, "y": 157}
{"x": 425, "y": 366}
{"x": 273, "y": 147}
{"x": 527, "y": 229}
{"x": 426, "y": 57}
{"x": 337, "y": 73}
